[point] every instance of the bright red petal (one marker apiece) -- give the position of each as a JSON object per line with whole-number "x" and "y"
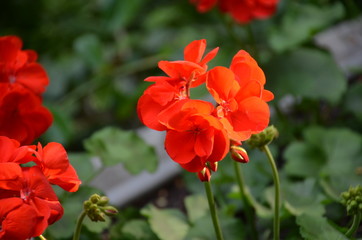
{"x": 195, "y": 50}
{"x": 33, "y": 76}
{"x": 180, "y": 146}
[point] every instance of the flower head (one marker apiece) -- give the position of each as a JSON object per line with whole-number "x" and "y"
{"x": 242, "y": 11}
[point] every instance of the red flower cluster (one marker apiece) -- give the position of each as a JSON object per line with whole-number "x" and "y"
{"x": 199, "y": 134}
{"x": 243, "y": 11}
{"x": 28, "y": 204}
{"x": 22, "y": 81}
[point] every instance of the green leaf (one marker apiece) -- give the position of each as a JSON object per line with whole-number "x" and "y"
{"x": 306, "y": 73}
{"x": 97, "y": 227}
{"x": 197, "y": 206}
{"x": 303, "y": 160}
{"x": 82, "y": 164}
{"x": 203, "y": 228}
{"x": 115, "y": 146}
{"x": 138, "y": 230}
{"x": 303, "y": 197}
{"x": 354, "y": 99}
{"x": 317, "y": 228}
{"x": 166, "y": 223}
{"x": 342, "y": 147}
{"x": 300, "y": 23}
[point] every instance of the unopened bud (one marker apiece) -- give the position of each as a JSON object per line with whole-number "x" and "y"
{"x": 239, "y": 154}
{"x": 204, "y": 175}
{"x": 263, "y": 138}
{"x": 103, "y": 201}
{"x": 213, "y": 166}
{"x": 95, "y": 198}
{"x": 110, "y": 210}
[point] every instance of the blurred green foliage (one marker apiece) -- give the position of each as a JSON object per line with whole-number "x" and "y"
{"x": 97, "y": 53}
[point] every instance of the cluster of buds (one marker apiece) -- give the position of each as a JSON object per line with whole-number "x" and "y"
{"x": 263, "y": 138}
{"x": 97, "y": 208}
{"x": 352, "y": 199}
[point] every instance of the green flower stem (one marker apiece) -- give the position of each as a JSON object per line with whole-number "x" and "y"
{"x": 355, "y": 224}
{"x": 276, "y": 224}
{"x": 79, "y": 225}
{"x": 248, "y": 210}
{"x": 212, "y": 207}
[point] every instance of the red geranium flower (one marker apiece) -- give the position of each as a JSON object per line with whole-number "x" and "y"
{"x": 243, "y": 11}
{"x": 195, "y": 137}
{"x": 19, "y": 67}
{"x": 182, "y": 75}
{"x": 22, "y": 117}
{"x": 242, "y": 113}
{"x": 33, "y": 189}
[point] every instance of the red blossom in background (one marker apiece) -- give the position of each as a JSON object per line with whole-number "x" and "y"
{"x": 242, "y": 11}
{"x": 22, "y": 81}
{"x": 22, "y": 116}
{"x": 20, "y": 67}
{"x": 198, "y": 134}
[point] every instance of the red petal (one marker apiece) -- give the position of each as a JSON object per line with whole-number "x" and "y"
{"x": 9, "y": 48}
{"x": 253, "y": 115}
{"x": 34, "y": 77}
{"x": 194, "y": 51}
{"x": 180, "y": 146}
{"x": 55, "y": 157}
{"x": 221, "y": 84}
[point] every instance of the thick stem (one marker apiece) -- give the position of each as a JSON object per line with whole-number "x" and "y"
{"x": 276, "y": 224}
{"x": 212, "y": 207}
{"x": 355, "y": 224}
{"x": 248, "y": 210}
{"x": 79, "y": 225}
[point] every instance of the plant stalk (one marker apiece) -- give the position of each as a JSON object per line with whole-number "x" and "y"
{"x": 355, "y": 224}
{"x": 212, "y": 207}
{"x": 79, "y": 225}
{"x": 276, "y": 224}
{"x": 248, "y": 210}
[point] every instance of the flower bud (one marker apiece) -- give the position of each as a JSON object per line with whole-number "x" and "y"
{"x": 110, "y": 210}
{"x": 239, "y": 154}
{"x": 263, "y": 138}
{"x": 213, "y": 166}
{"x": 204, "y": 175}
{"x": 94, "y": 198}
{"x": 103, "y": 201}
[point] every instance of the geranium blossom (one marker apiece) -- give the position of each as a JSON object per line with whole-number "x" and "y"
{"x": 182, "y": 75}
{"x": 22, "y": 116}
{"x": 194, "y": 137}
{"x": 35, "y": 192}
{"x": 20, "y": 67}
{"x": 242, "y": 11}
{"x": 28, "y": 190}
{"x": 198, "y": 134}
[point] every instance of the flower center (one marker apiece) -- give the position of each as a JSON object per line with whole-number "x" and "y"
{"x": 12, "y": 79}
